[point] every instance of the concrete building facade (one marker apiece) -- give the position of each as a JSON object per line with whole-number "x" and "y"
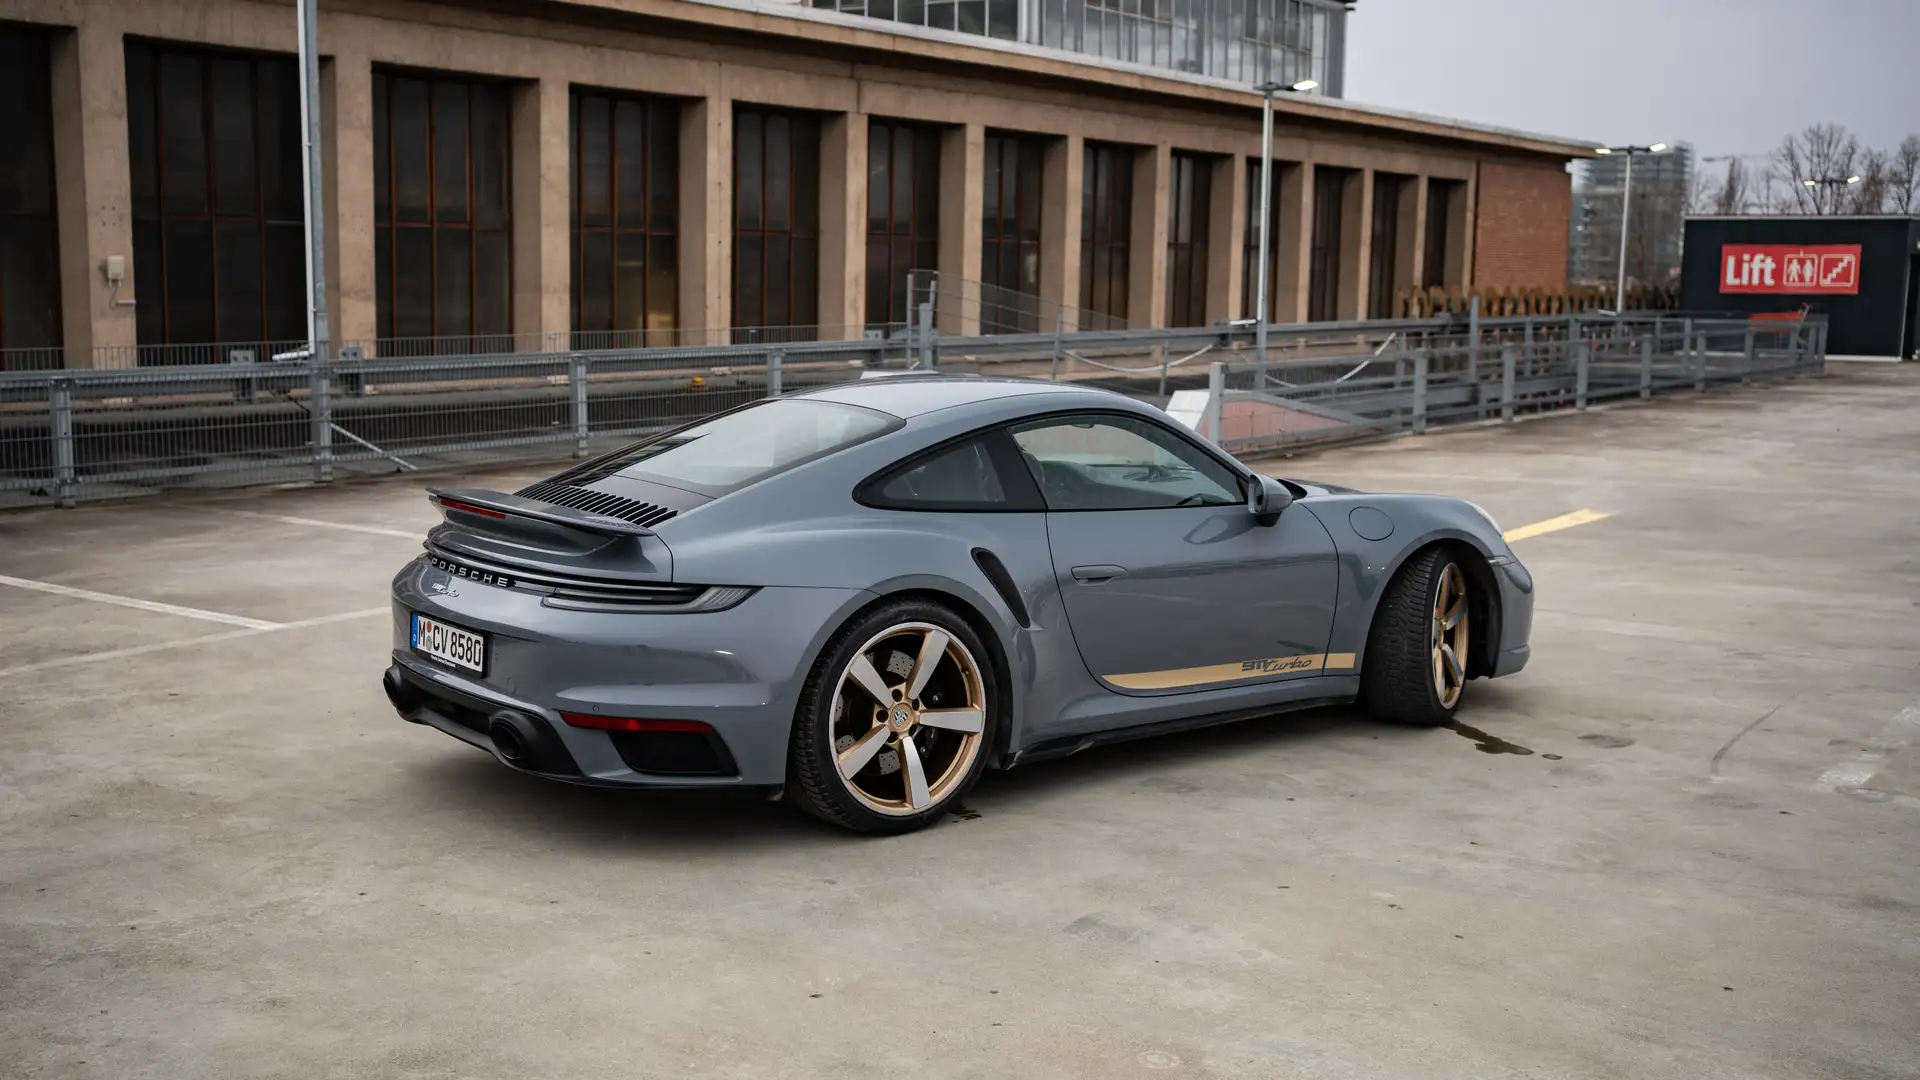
{"x": 587, "y": 172}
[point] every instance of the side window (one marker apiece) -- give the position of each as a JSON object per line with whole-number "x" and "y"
{"x": 1119, "y": 463}
{"x": 961, "y": 477}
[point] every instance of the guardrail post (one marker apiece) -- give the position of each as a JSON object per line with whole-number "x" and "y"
{"x": 1582, "y": 356}
{"x": 1820, "y": 347}
{"x": 775, "y": 358}
{"x": 1746, "y": 367}
{"x": 1697, "y": 355}
{"x": 1059, "y": 328}
{"x": 320, "y": 408}
{"x": 1216, "y": 399}
{"x": 1162, "y": 349}
{"x": 1646, "y": 364}
{"x": 1473, "y": 357}
{"x": 60, "y": 415}
{"x": 1420, "y": 392}
{"x": 1506, "y": 383}
{"x": 928, "y": 357}
{"x": 577, "y": 386}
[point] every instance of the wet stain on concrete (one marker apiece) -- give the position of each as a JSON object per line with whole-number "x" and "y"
{"x": 1483, "y": 742}
{"x": 1607, "y": 742}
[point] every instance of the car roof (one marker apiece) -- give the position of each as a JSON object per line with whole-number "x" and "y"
{"x": 912, "y": 394}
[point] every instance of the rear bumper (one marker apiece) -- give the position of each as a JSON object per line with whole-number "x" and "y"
{"x": 739, "y": 672}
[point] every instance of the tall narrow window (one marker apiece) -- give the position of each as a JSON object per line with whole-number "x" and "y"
{"x": 1386, "y": 245}
{"x": 441, "y": 208}
{"x": 1250, "y": 245}
{"x": 1440, "y": 197}
{"x": 218, "y": 241}
{"x": 1323, "y": 281}
{"x": 626, "y": 214}
{"x": 1010, "y": 235}
{"x": 1106, "y": 221}
{"x": 1187, "y": 220}
{"x": 776, "y": 225}
{"x": 903, "y": 214}
{"x": 29, "y": 241}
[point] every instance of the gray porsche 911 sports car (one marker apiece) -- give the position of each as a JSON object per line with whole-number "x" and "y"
{"x": 863, "y": 596}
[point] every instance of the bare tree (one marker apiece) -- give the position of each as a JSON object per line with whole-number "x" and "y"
{"x": 1870, "y": 194}
{"x": 1821, "y": 153}
{"x": 1903, "y": 177}
{"x": 1732, "y": 196}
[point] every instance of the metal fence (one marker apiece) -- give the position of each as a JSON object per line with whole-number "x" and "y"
{"x": 82, "y": 434}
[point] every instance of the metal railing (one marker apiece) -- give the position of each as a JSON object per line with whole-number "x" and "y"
{"x": 80, "y": 434}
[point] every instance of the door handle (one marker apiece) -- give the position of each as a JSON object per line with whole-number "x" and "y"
{"x": 1097, "y": 575}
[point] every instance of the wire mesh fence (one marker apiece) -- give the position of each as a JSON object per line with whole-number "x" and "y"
{"x": 75, "y": 434}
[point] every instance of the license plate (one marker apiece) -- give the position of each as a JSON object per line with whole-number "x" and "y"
{"x": 450, "y": 644}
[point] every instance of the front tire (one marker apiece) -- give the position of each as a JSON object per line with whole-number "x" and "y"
{"x": 1416, "y": 663}
{"x": 895, "y": 720}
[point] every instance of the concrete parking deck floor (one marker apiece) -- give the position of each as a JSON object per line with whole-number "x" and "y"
{"x": 222, "y": 856}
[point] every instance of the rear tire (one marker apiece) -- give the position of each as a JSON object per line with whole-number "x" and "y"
{"x": 880, "y": 745}
{"x": 1416, "y": 660}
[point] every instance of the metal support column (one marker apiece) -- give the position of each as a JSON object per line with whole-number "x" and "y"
{"x": 1581, "y": 358}
{"x": 1506, "y": 383}
{"x": 1746, "y": 366}
{"x": 1216, "y": 400}
{"x": 1420, "y": 392}
{"x": 775, "y": 360}
{"x": 60, "y": 413}
{"x": 1646, "y": 366}
{"x": 577, "y": 382}
{"x": 1696, "y": 356}
{"x": 928, "y": 358}
{"x": 320, "y": 410}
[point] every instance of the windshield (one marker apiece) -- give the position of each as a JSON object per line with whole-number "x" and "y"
{"x": 739, "y": 447}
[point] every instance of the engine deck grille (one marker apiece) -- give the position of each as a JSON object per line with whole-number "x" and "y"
{"x": 597, "y": 502}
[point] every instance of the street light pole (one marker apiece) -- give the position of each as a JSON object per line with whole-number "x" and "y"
{"x": 1261, "y": 315}
{"x": 312, "y": 183}
{"x": 1832, "y": 184}
{"x": 1626, "y": 213}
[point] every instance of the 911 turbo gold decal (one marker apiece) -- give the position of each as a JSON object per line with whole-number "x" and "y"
{"x": 1220, "y": 673}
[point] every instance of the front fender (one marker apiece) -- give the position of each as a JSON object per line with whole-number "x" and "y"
{"x": 1369, "y": 562}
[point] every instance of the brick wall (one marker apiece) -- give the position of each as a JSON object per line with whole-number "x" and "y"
{"x": 1526, "y": 211}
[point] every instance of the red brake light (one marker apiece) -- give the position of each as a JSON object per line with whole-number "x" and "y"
{"x": 455, "y": 504}
{"x": 627, "y": 723}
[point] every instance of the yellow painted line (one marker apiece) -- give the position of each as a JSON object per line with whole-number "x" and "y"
{"x": 1555, "y": 524}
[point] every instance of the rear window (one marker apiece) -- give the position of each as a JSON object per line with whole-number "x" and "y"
{"x": 740, "y": 447}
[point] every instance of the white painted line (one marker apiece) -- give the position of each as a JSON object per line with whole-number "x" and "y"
{"x": 162, "y": 646}
{"x": 1555, "y": 524}
{"x": 1852, "y": 775}
{"x": 142, "y": 605}
{"x": 317, "y": 523}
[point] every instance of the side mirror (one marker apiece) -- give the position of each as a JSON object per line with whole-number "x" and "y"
{"x": 1266, "y": 497}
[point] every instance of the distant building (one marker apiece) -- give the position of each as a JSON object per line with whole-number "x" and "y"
{"x": 1660, "y": 185}
{"x": 1242, "y": 41}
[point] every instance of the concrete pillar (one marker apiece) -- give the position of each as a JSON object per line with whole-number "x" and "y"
{"x": 1147, "y": 236}
{"x": 843, "y": 226}
{"x": 1060, "y": 180}
{"x": 1356, "y": 243}
{"x": 1413, "y": 236}
{"x": 542, "y": 211}
{"x": 1293, "y": 189}
{"x": 706, "y": 220}
{"x": 963, "y": 161}
{"x": 346, "y": 124}
{"x": 1226, "y": 227}
{"x": 95, "y": 216}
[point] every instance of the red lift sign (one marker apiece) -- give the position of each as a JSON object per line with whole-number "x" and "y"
{"x": 1812, "y": 269}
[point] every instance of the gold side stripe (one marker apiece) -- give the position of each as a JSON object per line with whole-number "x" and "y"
{"x": 1220, "y": 673}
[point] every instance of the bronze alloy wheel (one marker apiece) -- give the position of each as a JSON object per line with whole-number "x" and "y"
{"x": 907, "y": 719}
{"x": 1449, "y": 635}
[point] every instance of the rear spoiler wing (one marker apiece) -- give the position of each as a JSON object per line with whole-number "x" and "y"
{"x": 496, "y": 504}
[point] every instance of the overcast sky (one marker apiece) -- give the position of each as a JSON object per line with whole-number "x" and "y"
{"x": 1728, "y": 76}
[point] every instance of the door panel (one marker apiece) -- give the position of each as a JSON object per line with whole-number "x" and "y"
{"x": 1166, "y": 600}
